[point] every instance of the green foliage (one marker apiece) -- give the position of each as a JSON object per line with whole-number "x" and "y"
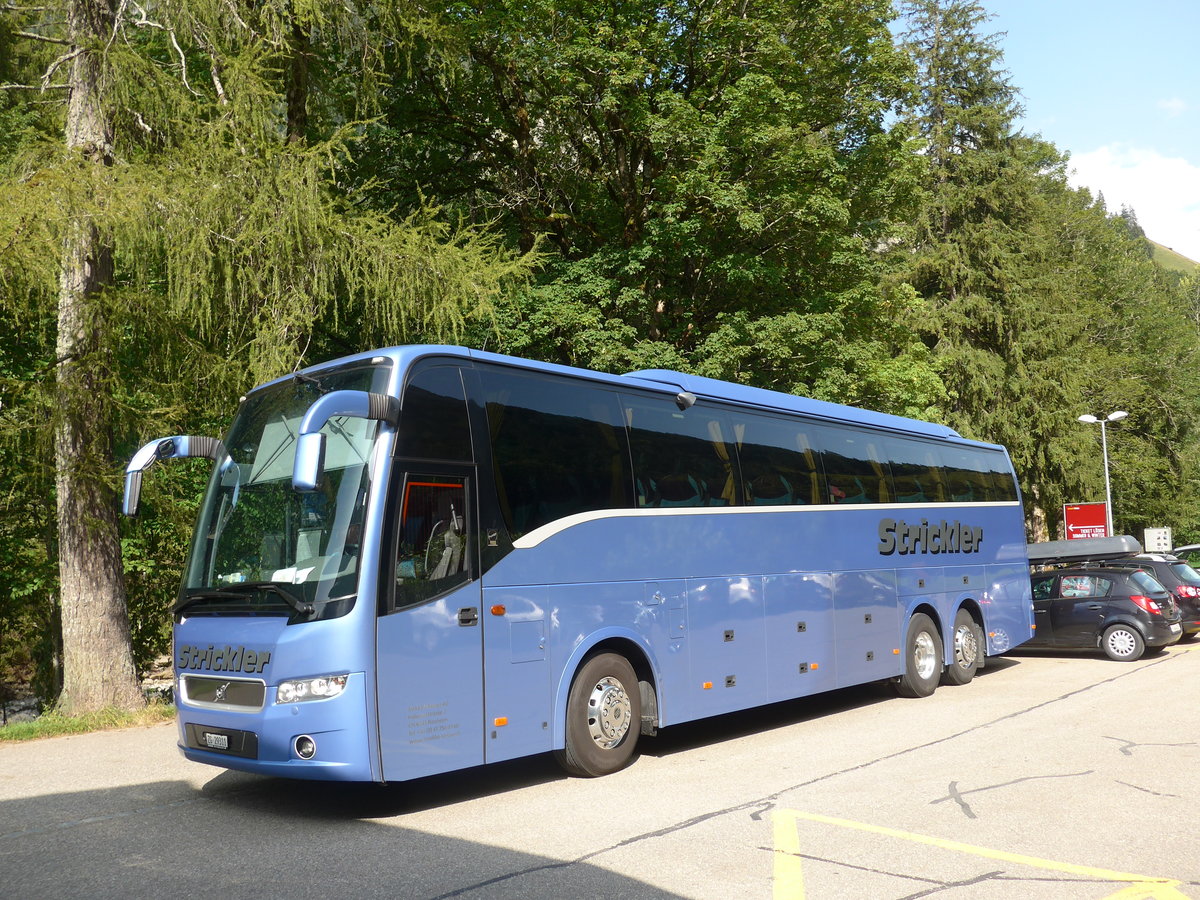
{"x": 238, "y": 250}
{"x": 776, "y": 193}
{"x": 1042, "y": 306}
{"x": 701, "y": 178}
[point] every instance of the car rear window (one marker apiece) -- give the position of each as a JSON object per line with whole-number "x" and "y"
{"x": 1146, "y": 582}
{"x": 1185, "y": 573}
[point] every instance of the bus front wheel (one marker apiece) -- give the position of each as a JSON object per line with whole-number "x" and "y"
{"x": 604, "y": 716}
{"x": 922, "y": 658}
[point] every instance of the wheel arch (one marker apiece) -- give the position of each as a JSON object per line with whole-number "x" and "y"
{"x": 931, "y": 610}
{"x": 625, "y": 644}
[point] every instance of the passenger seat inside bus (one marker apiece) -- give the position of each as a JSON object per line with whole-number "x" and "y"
{"x": 770, "y": 489}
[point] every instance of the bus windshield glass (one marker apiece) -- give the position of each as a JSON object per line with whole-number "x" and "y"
{"x": 262, "y": 548}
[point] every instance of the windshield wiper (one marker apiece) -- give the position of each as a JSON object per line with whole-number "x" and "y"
{"x": 245, "y": 589}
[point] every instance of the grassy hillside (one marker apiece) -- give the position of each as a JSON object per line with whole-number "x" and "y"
{"x": 1169, "y": 259}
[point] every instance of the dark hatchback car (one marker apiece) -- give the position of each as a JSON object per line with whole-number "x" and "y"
{"x": 1122, "y": 611}
{"x": 1178, "y": 577}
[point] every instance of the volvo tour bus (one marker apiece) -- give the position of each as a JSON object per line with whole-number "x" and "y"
{"x": 427, "y": 558}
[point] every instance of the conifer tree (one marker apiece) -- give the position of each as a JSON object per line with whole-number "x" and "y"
{"x": 195, "y": 204}
{"x": 983, "y": 247}
{"x": 1042, "y": 307}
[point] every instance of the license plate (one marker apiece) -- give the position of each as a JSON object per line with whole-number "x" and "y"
{"x": 216, "y": 741}
{"x": 1176, "y": 628}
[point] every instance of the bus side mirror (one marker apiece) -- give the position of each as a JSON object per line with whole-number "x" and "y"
{"x": 178, "y": 447}
{"x": 309, "y": 464}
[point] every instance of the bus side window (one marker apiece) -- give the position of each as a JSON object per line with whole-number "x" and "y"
{"x": 855, "y": 470}
{"x": 978, "y": 475}
{"x": 433, "y": 419}
{"x": 779, "y": 467}
{"x": 557, "y": 449}
{"x": 432, "y": 549}
{"x": 680, "y": 458}
{"x": 916, "y": 471}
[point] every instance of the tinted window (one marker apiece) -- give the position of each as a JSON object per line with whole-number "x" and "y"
{"x": 680, "y": 458}
{"x": 1146, "y": 582}
{"x": 1185, "y": 573}
{"x": 433, "y": 419}
{"x": 917, "y": 476}
{"x": 855, "y": 470}
{"x": 976, "y": 476}
{"x": 778, "y": 461}
{"x": 1004, "y": 485}
{"x": 557, "y": 448}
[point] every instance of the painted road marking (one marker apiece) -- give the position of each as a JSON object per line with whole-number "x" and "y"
{"x": 789, "y": 876}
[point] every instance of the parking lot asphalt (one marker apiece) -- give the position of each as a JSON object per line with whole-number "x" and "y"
{"x": 1055, "y": 775}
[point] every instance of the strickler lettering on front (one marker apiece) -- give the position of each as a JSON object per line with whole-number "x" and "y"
{"x": 214, "y": 658}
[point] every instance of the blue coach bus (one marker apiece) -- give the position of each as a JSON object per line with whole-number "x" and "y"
{"x": 426, "y": 558}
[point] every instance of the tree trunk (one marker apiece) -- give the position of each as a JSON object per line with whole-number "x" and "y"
{"x": 97, "y": 655}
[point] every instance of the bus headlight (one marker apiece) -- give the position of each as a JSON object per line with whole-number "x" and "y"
{"x": 301, "y": 689}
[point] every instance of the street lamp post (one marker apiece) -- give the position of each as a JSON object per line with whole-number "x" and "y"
{"x": 1088, "y": 419}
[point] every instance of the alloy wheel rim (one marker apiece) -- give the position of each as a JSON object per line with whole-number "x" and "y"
{"x": 966, "y": 647}
{"x": 924, "y": 654}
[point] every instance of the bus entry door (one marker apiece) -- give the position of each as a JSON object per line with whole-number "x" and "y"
{"x": 429, "y": 644}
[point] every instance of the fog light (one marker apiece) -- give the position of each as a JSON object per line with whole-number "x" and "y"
{"x": 306, "y": 747}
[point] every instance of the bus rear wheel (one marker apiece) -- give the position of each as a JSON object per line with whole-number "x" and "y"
{"x": 922, "y": 658}
{"x": 968, "y": 649}
{"x": 604, "y": 716}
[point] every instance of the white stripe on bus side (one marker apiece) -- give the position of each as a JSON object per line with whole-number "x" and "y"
{"x": 544, "y": 532}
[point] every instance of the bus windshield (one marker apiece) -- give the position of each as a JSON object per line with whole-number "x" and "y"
{"x": 260, "y": 547}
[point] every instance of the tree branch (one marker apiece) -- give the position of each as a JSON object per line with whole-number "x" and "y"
{"x": 34, "y": 87}
{"x": 53, "y": 67}
{"x": 34, "y": 36}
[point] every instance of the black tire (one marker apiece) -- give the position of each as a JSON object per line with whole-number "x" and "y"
{"x": 1123, "y": 643}
{"x": 922, "y": 658}
{"x": 1188, "y": 637}
{"x": 968, "y": 650}
{"x": 604, "y": 717}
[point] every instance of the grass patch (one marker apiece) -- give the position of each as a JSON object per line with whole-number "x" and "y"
{"x": 1172, "y": 261}
{"x": 55, "y": 724}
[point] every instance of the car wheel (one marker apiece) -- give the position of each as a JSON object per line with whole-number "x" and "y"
{"x": 604, "y": 717}
{"x": 1123, "y": 643}
{"x": 967, "y": 650}
{"x": 922, "y": 658}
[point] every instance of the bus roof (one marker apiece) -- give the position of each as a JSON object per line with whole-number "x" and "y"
{"x": 665, "y": 380}
{"x": 711, "y": 388}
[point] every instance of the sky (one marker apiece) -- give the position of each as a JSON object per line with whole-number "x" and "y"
{"x": 1116, "y": 84}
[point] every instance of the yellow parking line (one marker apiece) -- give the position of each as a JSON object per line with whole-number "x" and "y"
{"x": 789, "y": 872}
{"x": 789, "y": 883}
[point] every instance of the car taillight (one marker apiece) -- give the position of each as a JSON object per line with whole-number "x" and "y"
{"x": 1187, "y": 590}
{"x": 1150, "y": 606}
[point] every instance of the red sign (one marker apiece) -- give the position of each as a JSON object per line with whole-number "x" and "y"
{"x": 1085, "y": 520}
